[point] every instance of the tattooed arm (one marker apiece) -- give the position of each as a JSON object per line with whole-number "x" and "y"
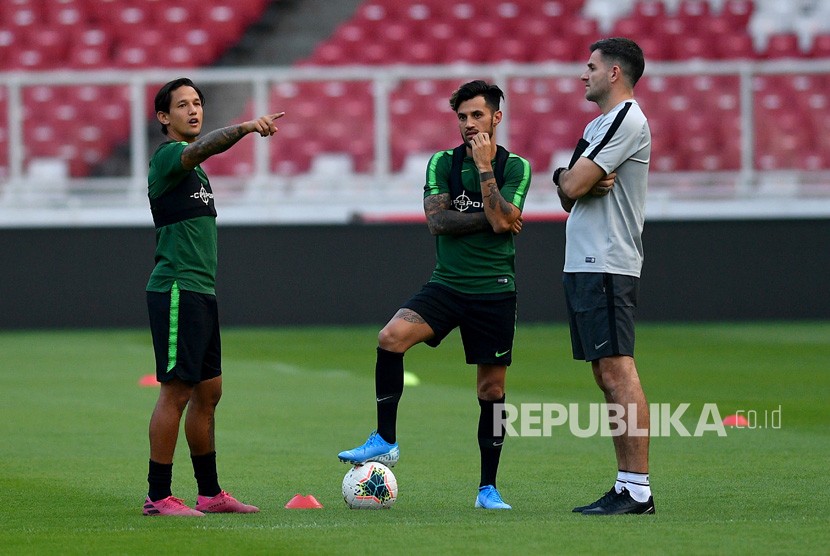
{"x": 222, "y": 139}
{"x": 441, "y": 220}
{"x": 502, "y": 216}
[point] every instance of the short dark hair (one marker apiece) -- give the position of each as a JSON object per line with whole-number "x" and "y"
{"x": 626, "y": 53}
{"x": 491, "y": 93}
{"x": 165, "y": 96}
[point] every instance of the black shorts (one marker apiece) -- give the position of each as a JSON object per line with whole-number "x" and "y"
{"x": 185, "y": 330}
{"x": 601, "y": 309}
{"x": 487, "y": 322}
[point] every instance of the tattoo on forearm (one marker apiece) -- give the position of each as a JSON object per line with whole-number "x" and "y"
{"x": 486, "y": 176}
{"x": 214, "y": 142}
{"x": 441, "y": 220}
{"x": 495, "y": 200}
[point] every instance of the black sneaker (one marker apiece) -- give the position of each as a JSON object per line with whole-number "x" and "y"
{"x": 606, "y": 498}
{"x": 616, "y": 504}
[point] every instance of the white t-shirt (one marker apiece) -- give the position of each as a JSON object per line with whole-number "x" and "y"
{"x": 603, "y": 234}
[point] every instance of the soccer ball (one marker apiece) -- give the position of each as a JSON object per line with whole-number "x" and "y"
{"x": 370, "y": 486}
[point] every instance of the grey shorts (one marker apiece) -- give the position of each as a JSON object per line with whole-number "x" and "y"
{"x": 601, "y": 310}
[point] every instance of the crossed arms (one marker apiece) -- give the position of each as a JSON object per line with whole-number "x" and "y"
{"x": 498, "y": 215}
{"x": 584, "y": 178}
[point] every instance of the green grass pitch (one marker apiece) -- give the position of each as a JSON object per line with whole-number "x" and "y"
{"x": 74, "y": 456}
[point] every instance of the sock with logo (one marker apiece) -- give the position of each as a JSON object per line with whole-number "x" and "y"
{"x": 388, "y": 390}
{"x": 160, "y": 479}
{"x": 489, "y": 440}
{"x": 204, "y": 469}
{"x": 635, "y": 483}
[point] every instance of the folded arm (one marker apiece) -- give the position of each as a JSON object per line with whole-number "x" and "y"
{"x": 584, "y": 178}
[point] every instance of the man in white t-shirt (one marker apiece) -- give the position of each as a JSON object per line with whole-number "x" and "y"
{"x": 604, "y": 189}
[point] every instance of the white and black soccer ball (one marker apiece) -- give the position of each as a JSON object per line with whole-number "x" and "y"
{"x": 370, "y": 486}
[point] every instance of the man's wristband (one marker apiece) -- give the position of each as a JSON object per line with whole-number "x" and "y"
{"x": 556, "y": 175}
{"x": 485, "y": 176}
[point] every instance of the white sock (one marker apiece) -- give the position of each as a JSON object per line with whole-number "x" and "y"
{"x": 635, "y": 483}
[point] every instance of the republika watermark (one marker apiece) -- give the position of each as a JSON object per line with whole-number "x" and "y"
{"x": 540, "y": 419}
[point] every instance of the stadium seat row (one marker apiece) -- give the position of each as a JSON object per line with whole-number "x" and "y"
{"x": 790, "y": 127}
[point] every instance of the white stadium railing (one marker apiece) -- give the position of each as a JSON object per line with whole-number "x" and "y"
{"x": 34, "y": 195}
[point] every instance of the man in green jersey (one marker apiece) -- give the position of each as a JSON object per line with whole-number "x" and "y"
{"x": 181, "y": 299}
{"x": 473, "y": 201}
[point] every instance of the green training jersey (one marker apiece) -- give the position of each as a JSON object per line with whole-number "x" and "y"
{"x": 185, "y": 218}
{"x": 482, "y": 262}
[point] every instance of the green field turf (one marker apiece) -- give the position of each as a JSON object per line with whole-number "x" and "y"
{"x": 74, "y": 459}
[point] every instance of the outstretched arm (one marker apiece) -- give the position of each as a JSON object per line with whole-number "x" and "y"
{"x": 222, "y": 139}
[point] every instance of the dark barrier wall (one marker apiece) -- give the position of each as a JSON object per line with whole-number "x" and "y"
{"x": 281, "y": 275}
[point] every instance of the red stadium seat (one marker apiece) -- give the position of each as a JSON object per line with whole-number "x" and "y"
{"x": 554, "y": 48}
{"x": 695, "y": 47}
{"x": 226, "y": 22}
{"x": 582, "y": 30}
{"x": 21, "y": 15}
{"x": 178, "y": 56}
{"x": 50, "y": 41}
{"x": 656, "y": 48}
{"x": 9, "y": 39}
{"x": 133, "y": 13}
{"x": 84, "y": 57}
{"x": 174, "y": 14}
{"x": 148, "y": 39}
{"x": 649, "y": 9}
{"x": 737, "y": 12}
{"x": 376, "y": 11}
{"x": 533, "y": 30}
{"x": 693, "y": 11}
{"x": 783, "y": 45}
{"x": 467, "y": 49}
{"x": 820, "y": 47}
{"x": 813, "y": 161}
{"x": 329, "y": 54}
{"x": 27, "y": 59}
{"x": 510, "y": 49}
{"x": 65, "y": 13}
{"x": 633, "y": 27}
{"x": 91, "y": 35}
{"x": 421, "y": 51}
{"x": 670, "y": 32}
{"x": 133, "y": 57}
{"x": 735, "y": 47}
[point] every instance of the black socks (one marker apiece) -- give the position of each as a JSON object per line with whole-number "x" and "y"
{"x": 160, "y": 478}
{"x": 388, "y": 390}
{"x": 490, "y": 441}
{"x": 204, "y": 469}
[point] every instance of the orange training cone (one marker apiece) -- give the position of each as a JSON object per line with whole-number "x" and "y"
{"x": 300, "y": 502}
{"x": 148, "y": 380}
{"x": 735, "y": 421}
